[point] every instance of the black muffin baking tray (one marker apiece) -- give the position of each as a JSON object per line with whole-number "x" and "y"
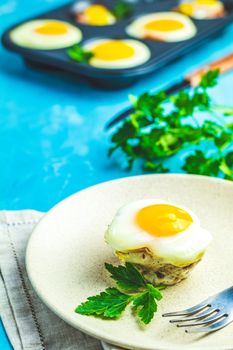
{"x": 161, "y": 52}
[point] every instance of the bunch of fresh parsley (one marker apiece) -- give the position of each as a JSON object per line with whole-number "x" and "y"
{"x": 162, "y": 125}
{"x": 133, "y": 289}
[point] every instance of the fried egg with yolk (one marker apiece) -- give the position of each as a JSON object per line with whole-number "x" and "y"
{"x": 116, "y": 54}
{"x": 202, "y": 9}
{"x": 170, "y": 232}
{"x": 95, "y": 15}
{"x": 46, "y": 34}
{"x": 163, "y": 26}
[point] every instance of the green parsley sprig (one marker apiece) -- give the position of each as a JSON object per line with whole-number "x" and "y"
{"x": 111, "y": 303}
{"x": 77, "y": 53}
{"x": 161, "y": 126}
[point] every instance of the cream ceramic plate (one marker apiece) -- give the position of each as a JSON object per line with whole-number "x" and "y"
{"x": 66, "y": 255}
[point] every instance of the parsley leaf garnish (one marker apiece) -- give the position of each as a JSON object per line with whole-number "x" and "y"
{"x": 111, "y": 303}
{"x": 161, "y": 126}
{"x": 122, "y": 9}
{"x": 108, "y": 304}
{"x": 144, "y": 304}
{"x": 77, "y": 53}
{"x": 127, "y": 277}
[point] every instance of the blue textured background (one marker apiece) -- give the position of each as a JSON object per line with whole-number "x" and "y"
{"x": 51, "y": 128}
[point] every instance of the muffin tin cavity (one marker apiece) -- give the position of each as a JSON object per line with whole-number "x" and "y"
{"x": 112, "y": 53}
{"x": 202, "y": 9}
{"x": 99, "y": 13}
{"x": 45, "y": 34}
{"x": 167, "y": 26}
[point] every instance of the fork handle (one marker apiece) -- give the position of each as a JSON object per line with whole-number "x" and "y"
{"x": 223, "y": 64}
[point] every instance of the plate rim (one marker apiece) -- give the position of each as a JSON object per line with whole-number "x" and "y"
{"x": 90, "y": 330}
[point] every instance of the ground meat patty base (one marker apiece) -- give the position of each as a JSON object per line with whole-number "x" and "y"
{"x": 154, "y": 269}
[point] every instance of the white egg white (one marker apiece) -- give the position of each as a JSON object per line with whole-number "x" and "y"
{"x": 182, "y": 249}
{"x": 137, "y": 28}
{"x": 141, "y": 55}
{"x": 26, "y": 36}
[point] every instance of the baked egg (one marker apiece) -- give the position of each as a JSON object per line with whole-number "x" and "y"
{"x": 202, "y": 9}
{"x": 46, "y": 34}
{"x": 117, "y": 53}
{"x": 163, "y": 26}
{"x": 94, "y": 14}
{"x": 167, "y": 231}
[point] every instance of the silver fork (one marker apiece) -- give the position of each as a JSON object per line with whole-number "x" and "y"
{"x": 211, "y": 314}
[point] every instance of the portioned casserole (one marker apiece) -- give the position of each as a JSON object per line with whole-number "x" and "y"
{"x": 164, "y": 241}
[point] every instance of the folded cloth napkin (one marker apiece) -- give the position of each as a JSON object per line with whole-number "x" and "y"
{"x": 30, "y": 325}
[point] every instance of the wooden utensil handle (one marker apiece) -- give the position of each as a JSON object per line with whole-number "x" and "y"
{"x": 224, "y": 64}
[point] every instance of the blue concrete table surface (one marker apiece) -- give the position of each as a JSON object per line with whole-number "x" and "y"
{"x": 51, "y": 127}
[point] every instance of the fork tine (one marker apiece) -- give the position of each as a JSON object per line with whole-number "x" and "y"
{"x": 216, "y": 317}
{"x": 189, "y": 311}
{"x": 196, "y": 316}
{"x": 212, "y": 327}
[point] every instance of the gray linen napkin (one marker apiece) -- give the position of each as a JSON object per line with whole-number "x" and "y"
{"x": 30, "y": 325}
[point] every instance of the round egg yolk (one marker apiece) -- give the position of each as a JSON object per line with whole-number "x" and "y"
{"x": 206, "y": 2}
{"x": 164, "y": 25}
{"x": 163, "y": 220}
{"x": 97, "y": 15}
{"x": 187, "y": 8}
{"x": 113, "y": 50}
{"x": 52, "y": 28}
